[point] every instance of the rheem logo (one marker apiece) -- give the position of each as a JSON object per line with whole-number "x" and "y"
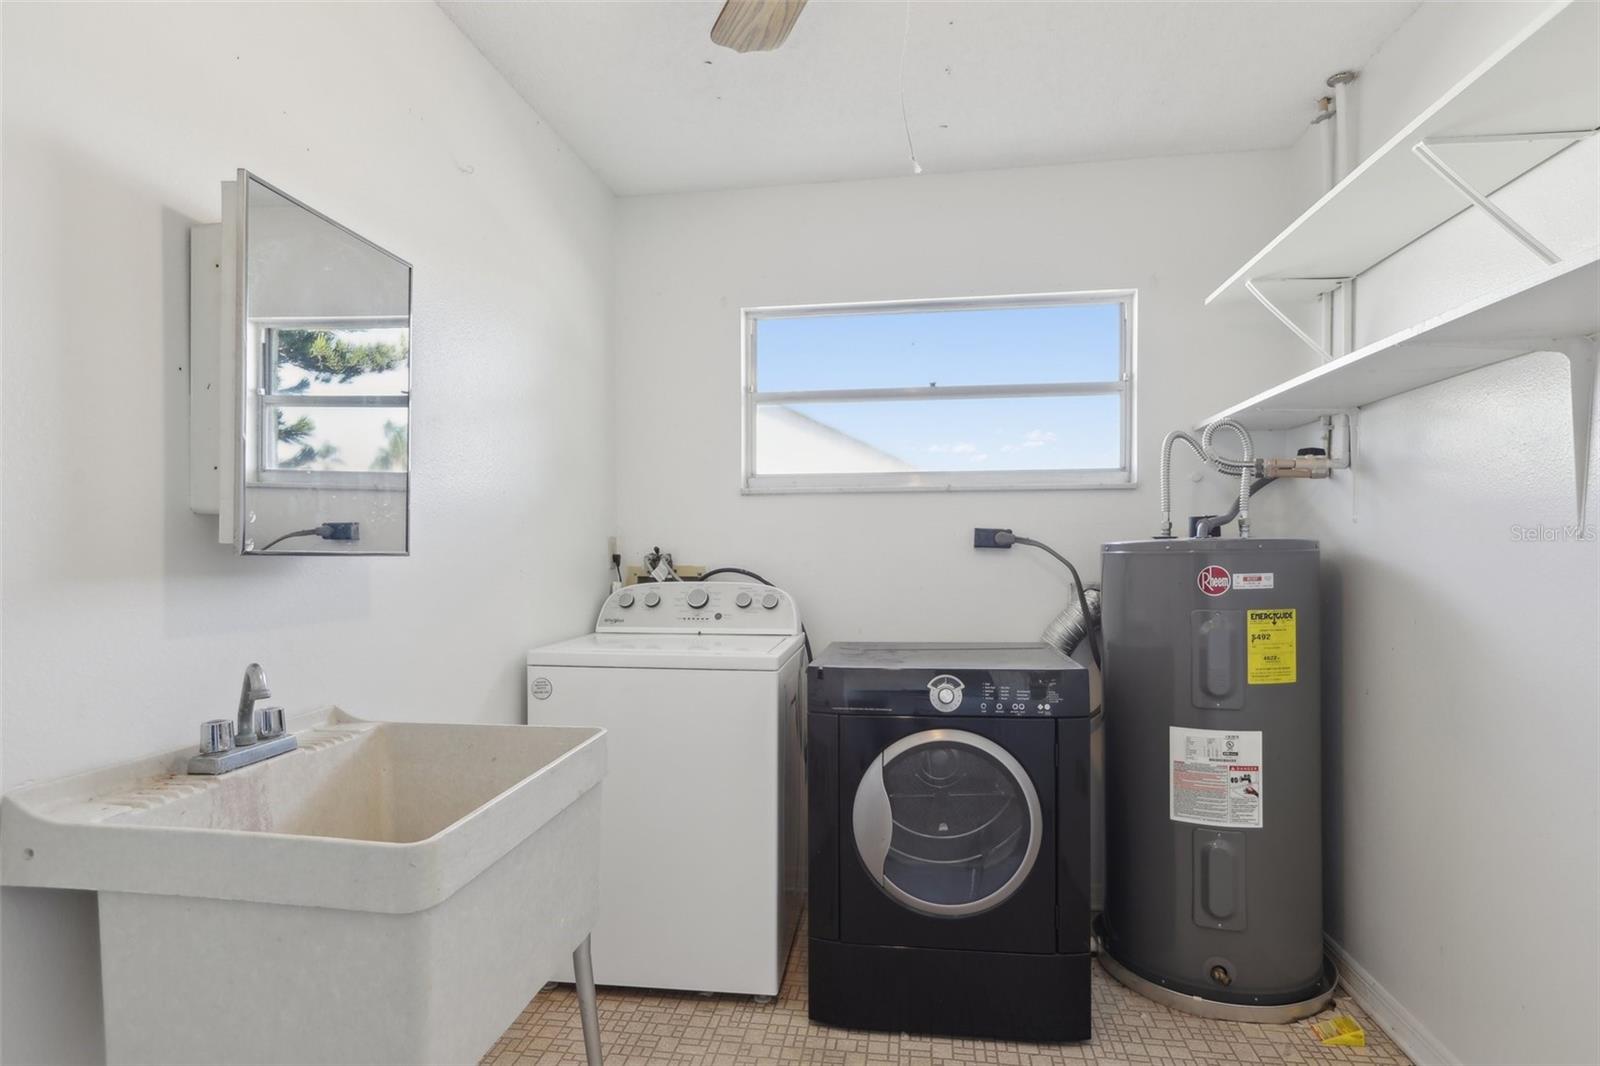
{"x": 1214, "y": 580}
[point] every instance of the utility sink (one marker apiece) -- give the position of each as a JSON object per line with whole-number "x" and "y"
{"x": 388, "y": 892}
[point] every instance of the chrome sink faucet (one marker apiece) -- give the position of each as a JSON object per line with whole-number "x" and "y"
{"x": 250, "y": 738}
{"x": 254, "y": 688}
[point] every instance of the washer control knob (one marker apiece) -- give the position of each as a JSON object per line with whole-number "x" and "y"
{"x": 652, "y": 598}
{"x": 625, "y": 600}
{"x": 698, "y": 598}
{"x": 944, "y": 692}
{"x": 770, "y": 600}
{"x": 744, "y": 599}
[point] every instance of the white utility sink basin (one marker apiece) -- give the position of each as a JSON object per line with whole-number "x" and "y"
{"x": 388, "y": 892}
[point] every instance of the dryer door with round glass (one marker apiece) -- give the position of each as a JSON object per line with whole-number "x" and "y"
{"x": 947, "y": 822}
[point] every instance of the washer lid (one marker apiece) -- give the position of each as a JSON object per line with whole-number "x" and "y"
{"x": 668, "y": 651}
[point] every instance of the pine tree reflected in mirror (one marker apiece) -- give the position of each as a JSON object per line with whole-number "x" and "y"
{"x": 398, "y": 449}
{"x": 295, "y": 433}
{"x": 328, "y": 355}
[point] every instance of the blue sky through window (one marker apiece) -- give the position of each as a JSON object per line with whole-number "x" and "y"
{"x": 985, "y": 346}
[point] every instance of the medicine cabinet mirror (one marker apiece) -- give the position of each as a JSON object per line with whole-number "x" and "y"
{"x": 312, "y": 381}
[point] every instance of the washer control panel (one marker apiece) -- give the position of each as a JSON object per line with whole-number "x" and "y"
{"x": 699, "y": 607}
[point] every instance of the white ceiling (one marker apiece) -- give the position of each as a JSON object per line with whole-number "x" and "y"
{"x": 641, "y": 93}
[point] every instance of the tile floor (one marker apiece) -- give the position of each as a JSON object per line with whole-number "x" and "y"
{"x": 648, "y": 1028}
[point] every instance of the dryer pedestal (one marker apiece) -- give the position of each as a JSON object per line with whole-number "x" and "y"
{"x": 1012, "y": 996}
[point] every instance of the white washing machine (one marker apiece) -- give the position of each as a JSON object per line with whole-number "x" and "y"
{"x": 701, "y": 689}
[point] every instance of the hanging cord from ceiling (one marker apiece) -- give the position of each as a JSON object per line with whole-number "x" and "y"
{"x": 905, "y": 121}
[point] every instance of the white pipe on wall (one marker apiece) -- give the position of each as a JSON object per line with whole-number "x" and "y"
{"x": 1325, "y": 119}
{"x": 1343, "y": 154}
{"x": 1344, "y": 121}
{"x": 1330, "y": 177}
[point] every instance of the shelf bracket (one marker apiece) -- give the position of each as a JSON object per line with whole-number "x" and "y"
{"x": 1583, "y": 354}
{"x": 1424, "y": 150}
{"x": 1315, "y": 345}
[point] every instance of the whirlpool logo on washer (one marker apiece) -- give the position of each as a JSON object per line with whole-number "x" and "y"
{"x": 540, "y": 688}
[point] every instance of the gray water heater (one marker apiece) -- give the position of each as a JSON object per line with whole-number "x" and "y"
{"x": 1213, "y": 740}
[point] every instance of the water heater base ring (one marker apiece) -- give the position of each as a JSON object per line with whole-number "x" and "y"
{"x": 1274, "y": 1014}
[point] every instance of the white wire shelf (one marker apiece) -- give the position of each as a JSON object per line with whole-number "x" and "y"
{"x": 1540, "y": 313}
{"x": 1538, "y": 94}
{"x": 1532, "y": 98}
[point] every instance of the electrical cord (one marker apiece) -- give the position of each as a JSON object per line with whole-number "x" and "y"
{"x": 752, "y": 575}
{"x": 327, "y": 531}
{"x": 737, "y": 570}
{"x": 1005, "y": 538}
{"x": 290, "y": 536}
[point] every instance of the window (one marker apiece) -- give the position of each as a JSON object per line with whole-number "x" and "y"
{"x": 1005, "y": 393}
{"x": 334, "y": 403}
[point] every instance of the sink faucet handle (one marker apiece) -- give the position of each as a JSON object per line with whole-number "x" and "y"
{"x": 269, "y": 722}
{"x": 216, "y": 736}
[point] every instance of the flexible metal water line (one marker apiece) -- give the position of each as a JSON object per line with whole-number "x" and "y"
{"x": 1244, "y": 469}
{"x": 1166, "y": 476}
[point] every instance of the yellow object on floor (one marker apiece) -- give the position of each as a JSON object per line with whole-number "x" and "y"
{"x": 1340, "y": 1031}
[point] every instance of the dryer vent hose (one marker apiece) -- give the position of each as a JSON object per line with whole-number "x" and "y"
{"x": 1068, "y": 629}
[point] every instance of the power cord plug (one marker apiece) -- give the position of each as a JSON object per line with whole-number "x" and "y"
{"x": 339, "y": 531}
{"x": 993, "y": 538}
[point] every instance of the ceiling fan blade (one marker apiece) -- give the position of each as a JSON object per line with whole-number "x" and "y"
{"x": 755, "y": 25}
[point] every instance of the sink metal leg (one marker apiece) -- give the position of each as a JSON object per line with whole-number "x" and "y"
{"x": 588, "y": 1010}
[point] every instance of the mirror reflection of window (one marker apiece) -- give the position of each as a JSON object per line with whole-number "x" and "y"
{"x": 327, "y": 352}
{"x": 358, "y": 376}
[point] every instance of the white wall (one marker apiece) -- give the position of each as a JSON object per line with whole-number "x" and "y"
{"x": 1462, "y": 700}
{"x": 900, "y": 566}
{"x": 124, "y": 623}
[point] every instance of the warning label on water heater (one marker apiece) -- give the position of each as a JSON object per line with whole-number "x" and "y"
{"x": 1216, "y": 777}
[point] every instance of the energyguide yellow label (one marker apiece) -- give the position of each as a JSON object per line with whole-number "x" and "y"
{"x": 1272, "y": 656}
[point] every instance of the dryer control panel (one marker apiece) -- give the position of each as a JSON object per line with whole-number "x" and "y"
{"x": 949, "y": 680}
{"x": 726, "y": 607}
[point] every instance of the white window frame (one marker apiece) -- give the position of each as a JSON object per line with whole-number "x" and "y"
{"x": 1122, "y": 477}
{"x": 268, "y": 399}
